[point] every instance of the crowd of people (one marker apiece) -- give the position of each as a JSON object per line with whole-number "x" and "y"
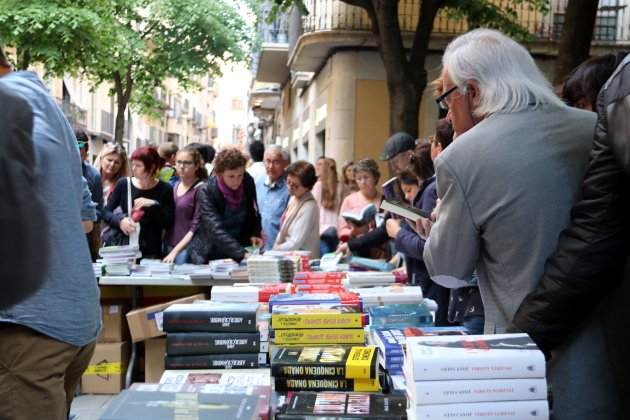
{"x": 528, "y": 228}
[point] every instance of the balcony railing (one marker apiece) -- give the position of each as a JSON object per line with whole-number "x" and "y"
{"x": 76, "y": 116}
{"x": 327, "y": 15}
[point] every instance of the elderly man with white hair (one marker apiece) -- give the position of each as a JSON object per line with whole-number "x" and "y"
{"x": 508, "y": 181}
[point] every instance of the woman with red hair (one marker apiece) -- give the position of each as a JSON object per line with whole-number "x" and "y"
{"x": 153, "y": 206}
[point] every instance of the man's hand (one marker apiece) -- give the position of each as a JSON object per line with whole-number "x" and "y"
{"x": 393, "y": 227}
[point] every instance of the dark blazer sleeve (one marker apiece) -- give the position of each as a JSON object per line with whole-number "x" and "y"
{"x": 591, "y": 251}
{"x": 408, "y": 241}
{"x": 254, "y": 223}
{"x": 23, "y": 223}
{"x": 211, "y": 221}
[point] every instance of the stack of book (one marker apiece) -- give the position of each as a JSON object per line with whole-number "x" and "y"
{"x": 332, "y": 405}
{"x": 223, "y": 266}
{"x": 326, "y": 368}
{"x": 498, "y": 376}
{"x": 373, "y": 278}
{"x": 248, "y": 293}
{"x": 301, "y": 259}
{"x": 319, "y": 282}
{"x": 155, "y": 267}
{"x": 271, "y": 269}
{"x": 318, "y": 324}
{"x": 211, "y": 335}
{"x": 401, "y": 315}
{"x": 341, "y": 298}
{"x": 118, "y": 260}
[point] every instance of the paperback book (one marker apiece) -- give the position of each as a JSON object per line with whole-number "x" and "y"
{"x": 214, "y": 343}
{"x": 211, "y": 317}
{"x": 498, "y": 356}
{"x": 365, "y": 215}
{"x": 334, "y": 405}
{"x": 217, "y": 361}
{"x": 320, "y": 336}
{"x": 340, "y": 298}
{"x": 504, "y": 410}
{"x": 326, "y": 384}
{"x": 326, "y": 361}
{"x": 317, "y": 316}
{"x": 405, "y": 210}
{"x": 225, "y": 377}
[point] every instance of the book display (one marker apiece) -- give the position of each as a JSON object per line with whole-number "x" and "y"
{"x": 290, "y": 343}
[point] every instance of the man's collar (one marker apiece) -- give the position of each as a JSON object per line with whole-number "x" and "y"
{"x": 275, "y": 183}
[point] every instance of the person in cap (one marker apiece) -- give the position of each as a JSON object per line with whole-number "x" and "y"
{"x": 398, "y": 152}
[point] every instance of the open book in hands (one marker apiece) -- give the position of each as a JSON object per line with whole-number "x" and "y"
{"x": 405, "y": 210}
{"x": 366, "y": 215}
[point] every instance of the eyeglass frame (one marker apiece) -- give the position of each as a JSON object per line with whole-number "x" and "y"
{"x": 441, "y": 100}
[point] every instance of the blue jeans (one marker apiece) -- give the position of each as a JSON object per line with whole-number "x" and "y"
{"x": 181, "y": 258}
{"x": 474, "y": 324}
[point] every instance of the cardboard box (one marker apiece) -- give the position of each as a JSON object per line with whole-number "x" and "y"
{"x": 146, "y": 323}
{"x": 106, "y": 372}
{"x": 114, "y": 324}
{"x": 154, "y": 352}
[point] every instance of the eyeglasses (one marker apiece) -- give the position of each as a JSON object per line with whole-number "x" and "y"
{"x": 184, "y": 162}
{"x": 441, "y": 100}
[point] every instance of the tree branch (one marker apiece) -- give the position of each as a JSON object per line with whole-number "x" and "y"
{"x": 391, "y": 45}
{"x": 420, "y": 46}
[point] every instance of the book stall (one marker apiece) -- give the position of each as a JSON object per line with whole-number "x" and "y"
{"x": 282, "y": 337}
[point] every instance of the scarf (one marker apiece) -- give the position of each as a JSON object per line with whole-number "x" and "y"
{"x": 232, "y": 197}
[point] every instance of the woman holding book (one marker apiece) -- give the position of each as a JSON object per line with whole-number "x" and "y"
{"x": 152, "y": 204}
{"x": 299, "y": 225}
{"x": 229, "y": 219}
{"x": 327, "y": 192}
{"x": 191, "y": 174}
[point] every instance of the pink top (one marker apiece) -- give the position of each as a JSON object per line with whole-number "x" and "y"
{"x": 354, "y": 203}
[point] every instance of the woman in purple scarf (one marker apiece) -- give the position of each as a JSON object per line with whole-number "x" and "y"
{"x": 229, "y": 217}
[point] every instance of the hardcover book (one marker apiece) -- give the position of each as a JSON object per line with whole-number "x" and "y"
{"x": 226, "y": 377}
{"x": 317, "y": 316}
{"x": 504, "y": 410}
{"x": 478, "y": 390}
{"x": 324, "y": 362}
{"x": 320, "y": 336}
{"x": 404, "y": 209}
{"x": 498, "y": 356}
{"x": 134, "y": 405}
{"x": 365, "y": 215}
{"x": 212, "y": 317}
{"x": 340, "y": 298}
{"x": 333, "y": 405}
{"x": 214, "y": 343}
{"x": 217, "y": 361}
{"x": 318, "y": 277}
{"x": 326, "y": 384}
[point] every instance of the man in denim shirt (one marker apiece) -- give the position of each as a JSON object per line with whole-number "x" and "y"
{"x": 47, "y": 340}
{"x": 272, "y": 193}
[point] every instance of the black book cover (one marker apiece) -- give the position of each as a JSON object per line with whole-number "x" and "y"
{"x": 325, "y": 362}
{"x": 326, "y": 384}
{"x": 330, "y": 405}
{"x": 134, "y": 405}
{"x": 217, "y": 317}
{"x": 213, "y": 343}
{"x": 217, "y": 361}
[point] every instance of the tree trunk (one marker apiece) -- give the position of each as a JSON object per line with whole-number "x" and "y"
{"x": 24, "y": 59}
{"x": 404, "y": 107}
{"x": 123, "y": 94}
{"x": 119, "y": 131}
{"x": 577, "y": 33}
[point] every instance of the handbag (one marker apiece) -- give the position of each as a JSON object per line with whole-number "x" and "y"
{"x": 114, "y": 236}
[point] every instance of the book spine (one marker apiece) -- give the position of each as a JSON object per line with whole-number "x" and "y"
{"x": 217, "y": 361}
{"x": 330, "y": 281}
{"x": 528, "y": 364}
{"x": 326, "y": 384}
{"x": 214, "y": 343}
{"x": 319, "y": 288}
{"x": 320, "y": 336}
{"x": 324, "y": 320}
{"x": 209, "y": 321}
{"x": 505, "y": 410}
{"x": 448, "y": 392}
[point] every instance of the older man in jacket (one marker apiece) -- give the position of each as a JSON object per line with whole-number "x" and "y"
{"x": 508, "y": 183}
{"x": 579, "y": 312}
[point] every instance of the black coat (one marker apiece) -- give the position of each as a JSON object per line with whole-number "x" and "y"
{"x": 211, "y": 240}
{"x": 591, "y": 266}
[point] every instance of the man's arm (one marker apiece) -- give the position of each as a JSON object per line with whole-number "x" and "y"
{"x": 23, "y": 223}
{"x": 452, "y": 249}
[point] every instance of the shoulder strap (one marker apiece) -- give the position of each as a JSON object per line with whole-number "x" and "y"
{"x": 129, "y": 203}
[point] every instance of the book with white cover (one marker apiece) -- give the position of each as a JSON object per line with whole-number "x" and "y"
{"x": 498, "y": 356}
{"x": 383, "y": 295}
{"x": 478, "y": 390}
{"x": 226, "y": 377}
{"x": 504, "y": 410}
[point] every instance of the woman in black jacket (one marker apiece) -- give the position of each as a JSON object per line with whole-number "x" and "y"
{"x": 230, "y": 219}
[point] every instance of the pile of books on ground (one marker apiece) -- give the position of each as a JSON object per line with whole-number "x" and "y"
{"x": 118, "y": 260}
{"x": 210, "y": 335}
{"x": 498, "y": 376}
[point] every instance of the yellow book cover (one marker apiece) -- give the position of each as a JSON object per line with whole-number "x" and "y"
{"x": 320, "y": 336}
{"x": 316, "y": 316}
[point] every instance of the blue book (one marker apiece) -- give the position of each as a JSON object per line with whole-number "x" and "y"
{"x": 401, "y": 315}
{"x": 371, "y": 264}
{"x": 342, "y": 298}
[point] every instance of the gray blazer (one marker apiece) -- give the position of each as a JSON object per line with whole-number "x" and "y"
{"x": 507, "y": 187}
